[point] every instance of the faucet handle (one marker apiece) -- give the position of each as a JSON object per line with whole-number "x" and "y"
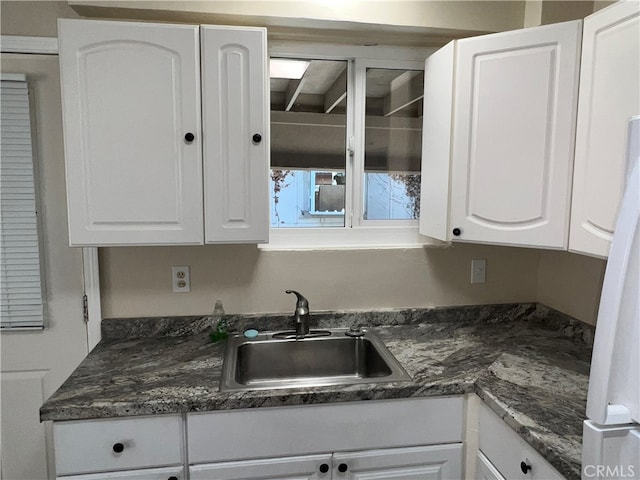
{"x": 302, "y": 304}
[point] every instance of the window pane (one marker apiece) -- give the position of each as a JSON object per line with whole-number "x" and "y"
{"x": 308, "y": 143}
{"x": 393, "y": 144}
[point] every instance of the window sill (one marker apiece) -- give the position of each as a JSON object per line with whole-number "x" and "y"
{"x": 363, "y": 238}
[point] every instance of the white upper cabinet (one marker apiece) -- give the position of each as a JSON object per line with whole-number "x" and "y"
{"x": 133, "y": 139}
{"x": 131, "y": 92}
{"x": 506, "y": 155}
{"x": 609, "y": 96}
{"x": 235, "y": 136}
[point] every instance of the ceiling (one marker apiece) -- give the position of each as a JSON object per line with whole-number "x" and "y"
{"x": 323, "y": 89}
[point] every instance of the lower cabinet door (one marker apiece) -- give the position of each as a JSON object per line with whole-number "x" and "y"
{"x": 414, "y": 463}
{"x": 485, "y": 469}
{"x": 168, "y": 473}
{"x": 309, "y": 467}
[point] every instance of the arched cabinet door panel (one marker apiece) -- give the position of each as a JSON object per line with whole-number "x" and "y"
{"x": 609, "y": 96}
{"x": 498, "y": 145}
{"x": 514, "y": 120}
{"x": 131, "y": 97}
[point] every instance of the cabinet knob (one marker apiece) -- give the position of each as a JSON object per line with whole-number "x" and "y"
{"x": 343, "y": 467}
{"x": 172, "y": 477}
{"x": 118, "y": 447}
{"x": 324, "y": 468}
{"x": 257, "y": 138}
{"x": 525, "y": 467}
{"x": 457, "y": 231}
{"x": 189, "y": 137}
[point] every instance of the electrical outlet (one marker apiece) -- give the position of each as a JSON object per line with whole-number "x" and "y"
{"x": 478, "y": 270}
{"x": 181, "y": 279}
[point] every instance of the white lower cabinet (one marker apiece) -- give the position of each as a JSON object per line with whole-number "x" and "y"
{"x": 417, "y": 463}
{"x": 169, "y": 473}
{"x": 290, "y": 468}
{"x": 391, "y": 439}
{"x": 503, "y": 454}
{"x": 92, "y": 449}
{"x": 408, "y": 439}
{"x": 485, "y": 469}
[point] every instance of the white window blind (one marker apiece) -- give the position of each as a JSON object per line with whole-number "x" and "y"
{"x": 21, "y": 295}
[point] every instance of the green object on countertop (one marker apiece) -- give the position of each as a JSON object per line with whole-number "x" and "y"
{"x": 217, "y": 336}
{"x": 219, "y": 323}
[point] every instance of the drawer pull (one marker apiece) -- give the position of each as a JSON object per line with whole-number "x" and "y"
{"x": 118, "y": 447}
{"x": 343, "y": 467}
{"x": 525, "y": 467}
{"x": 324, "y": 468}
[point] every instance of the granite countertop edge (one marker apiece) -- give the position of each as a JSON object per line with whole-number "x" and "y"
{"x": 398, "y": 329}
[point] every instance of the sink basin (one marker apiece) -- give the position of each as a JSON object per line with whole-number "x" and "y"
{"x": 327, "y": 357}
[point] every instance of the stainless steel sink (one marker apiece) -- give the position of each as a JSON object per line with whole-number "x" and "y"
{"x": 327, "y": 357}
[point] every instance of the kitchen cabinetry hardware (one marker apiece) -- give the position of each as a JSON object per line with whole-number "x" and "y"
{"x": 525, "y": 467}
{"x": 343, "y": 467}
{"x": 456, "y": 232}
{"x": 257, "y": 138}
{"x": 172, "y": 478}
{"x": 324, "y": 468}
{"x": 118, "y": 447}
{"x": 189, "y": 137}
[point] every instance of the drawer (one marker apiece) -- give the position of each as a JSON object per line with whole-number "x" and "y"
{"x": 506, "y": 450}
{"x": 310, "y": 429}
{"x": 167, "y": 473}
{"x": 104, "y": 445}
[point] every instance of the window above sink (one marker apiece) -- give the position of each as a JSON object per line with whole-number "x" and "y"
{"x": 346, "y": 148}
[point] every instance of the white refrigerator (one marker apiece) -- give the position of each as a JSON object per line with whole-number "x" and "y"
{"x": 611, "y": 433}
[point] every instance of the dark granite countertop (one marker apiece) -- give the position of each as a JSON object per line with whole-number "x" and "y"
{"x": 528, "y": 363}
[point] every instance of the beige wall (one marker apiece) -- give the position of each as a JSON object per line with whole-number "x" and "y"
{"x": 137, "y": 281}
{"x": 38, "y": 19}
{"x": 571, "y": 283}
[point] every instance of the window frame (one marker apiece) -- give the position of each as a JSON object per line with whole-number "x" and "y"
{"x": 357, "y": 233}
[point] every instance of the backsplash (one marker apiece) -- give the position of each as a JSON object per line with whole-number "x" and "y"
{"x": 541, "y": 315}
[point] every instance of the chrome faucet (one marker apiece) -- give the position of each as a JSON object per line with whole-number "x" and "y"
{"x": 301, "y": 314}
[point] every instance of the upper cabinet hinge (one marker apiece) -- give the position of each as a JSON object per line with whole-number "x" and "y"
{"x": 85, "y": 308}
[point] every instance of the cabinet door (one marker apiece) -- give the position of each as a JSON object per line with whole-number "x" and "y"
{"x": 130, "y": 94}
{"x": 235, "y": 135}
{"x": 609, "y": 95}
{"x": 415, "y": 463}
{"x": 169, "y": 473}
{"x": 310, "y": 467}
{"x": 514, "y": 121}
{"x": 485, "y": 469}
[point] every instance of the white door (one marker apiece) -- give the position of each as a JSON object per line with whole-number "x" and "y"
{"x": 514, "y": 121}
{"x": 131, "y": 96}
{"x": 236, "y": 137}
{"x": 34, "y": 364}
{"x": 310, "y": 467}
{"x": 415, "y": 463}
{"x": 609, "y": 96}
